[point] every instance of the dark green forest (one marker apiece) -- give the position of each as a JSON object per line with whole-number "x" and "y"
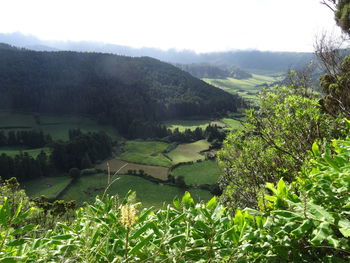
{"x": 117, "y": 90}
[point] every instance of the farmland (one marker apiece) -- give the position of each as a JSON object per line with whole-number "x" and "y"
{"x": 145, "y": 152}
{"x": 47, "y": 186}
{"x": 13, "y": 151}
{"x": 149, "y": 193}
{"x": 188, "y": 152}
{"x": 55, "y": 125}
{"x": 247, "y": 88}
{"x": 116, "y": 165}
{"x": 206, "y": 172}
{"x": 182, "y": 125}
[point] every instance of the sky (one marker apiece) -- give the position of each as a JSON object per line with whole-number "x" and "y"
{"x": 199, "y": 25}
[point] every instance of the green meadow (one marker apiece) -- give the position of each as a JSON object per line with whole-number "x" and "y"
{"x": 47, "y": 186}
{"x": 148, "y": 193}
{"x": 145, "y": 152}
{"x": 55, "y": 125}
{"x": 182, "y": 125}
{"x": 247, "y": 88}
{"x": 206, "y": 172}
{"x": 13, "y": 151}
{"x": 188, "y": 152}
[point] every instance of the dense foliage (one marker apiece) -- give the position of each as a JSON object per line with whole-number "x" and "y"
{"x": 273, "y": 144}
{"x": 308, "y": 221}
{"x": 81, "y": 151}
{"x": 122, "y": 91}
{"x": 28, "y": 138}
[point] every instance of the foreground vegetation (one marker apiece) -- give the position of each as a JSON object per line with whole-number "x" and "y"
{"x": 307, "y": 221}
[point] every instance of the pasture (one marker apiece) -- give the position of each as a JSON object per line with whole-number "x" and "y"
{"x": 13, "y": 151}
{"x": 232, "y": 124}
{"x": 145, "y": 152}
{"x": 47, "y": 186}
{"x": 206, "y": 172}
{"x": 247, "y": 88}
{"x": 148, "y": 193}
{"x": 116, "y": 165}
{"x": 55, "y": 125}
{"x": 188, "y": 152}
{"x": 182, "y": 125}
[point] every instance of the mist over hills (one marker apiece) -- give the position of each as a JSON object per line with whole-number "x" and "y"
{"x": 245, "y": 59}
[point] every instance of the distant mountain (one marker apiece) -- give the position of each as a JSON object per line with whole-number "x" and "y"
{"x": 247, "y": 60}
{"x": 120, "y": 90}
{"x": 202, "y": 70}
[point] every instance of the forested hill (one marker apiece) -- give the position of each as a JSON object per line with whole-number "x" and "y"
{"x": 116, "y": 89}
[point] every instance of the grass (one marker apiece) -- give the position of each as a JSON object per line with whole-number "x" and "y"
{"x": 247, "y": 88}
{"x": 182, "y": 125}
{"x": 206, "y": 172}
{"x": 188, "y": 152}
{"x": 155, "y": 171}
{"x": 47, "y": 186}
{"x": 150, "y": 194}
{"x": 232, "y": 124}
{"x": 145, "y": 152}
{"x": 56, "y": 126}
{"x": 13, "y": 151}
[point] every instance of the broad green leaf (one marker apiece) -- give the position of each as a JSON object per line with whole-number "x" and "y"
{"x": 281, "y": 188}
{"x": 141, "y": 244}
{"x": 316, "y": 149}
{"x": 176, "y": 239}
{"x": 177, "y": 219}
{"x": 23, "y": 216}
{"x": 321, "y": 233}
{"x": 62, "y": 237}
{"x": 212, "y": 203}
{"x": 141, "y": 230}
{"x": 22, "y": 230}
{"x": 187, "y": 200}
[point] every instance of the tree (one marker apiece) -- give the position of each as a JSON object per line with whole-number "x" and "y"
{"x": 273, "y": 145}
{"x": 74, "y": 173}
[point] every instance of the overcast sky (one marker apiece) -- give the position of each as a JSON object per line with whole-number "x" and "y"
{"x": 200, "y": 25}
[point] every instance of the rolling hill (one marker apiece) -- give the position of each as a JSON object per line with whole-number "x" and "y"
{"x": 119, "y": 90}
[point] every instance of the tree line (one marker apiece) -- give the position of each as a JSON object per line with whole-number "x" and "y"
{"x": 28, "y": 138}
{"x": 81, "y": 151}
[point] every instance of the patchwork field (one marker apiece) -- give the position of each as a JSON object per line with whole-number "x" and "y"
{"x": 182, "y": 125}
{"x": 47, "y": 186}
{"x": 189, "y": 152}
{"x": 247, "y": 88}
{"x": 56, "y": 126}
{"x": 145, "y": 152}
{"x": 150, "y": 194}
{"x": 13, "y": 151}
{"x": 114, "y": 165}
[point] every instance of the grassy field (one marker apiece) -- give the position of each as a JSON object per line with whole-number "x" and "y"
{"x": 56, "y": 126}
{"x": 182, "y": 125}
{"x": 247, "y": 88}
{"x": 150, "y": 194}
{"x": 232, "y": 124}
{"x": 13, "y": 151}
{"x": 188, "y": 152}
{"x": 114, "y": 165}
{"x": 206, "y": 172}
{"x": 145, "y": 152}
{"x": 47, "y": 186}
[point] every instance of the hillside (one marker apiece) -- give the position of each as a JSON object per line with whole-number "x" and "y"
{"x": 245, "y": 59}
{"x": 117, "y": 90}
